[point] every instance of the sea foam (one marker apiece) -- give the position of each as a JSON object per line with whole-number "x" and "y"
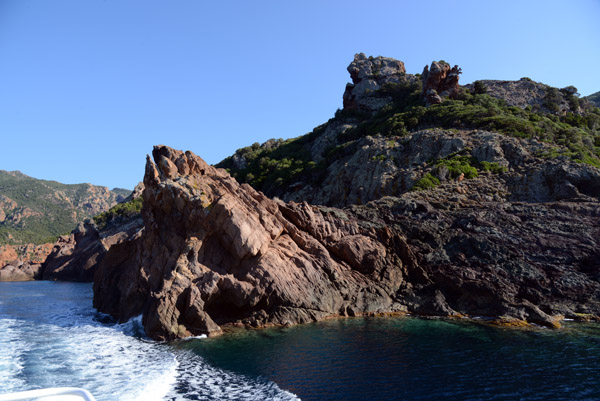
{"x": 56, "y": 339}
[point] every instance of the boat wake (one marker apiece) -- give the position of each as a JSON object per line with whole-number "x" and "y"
{"x": 58, "y": 340}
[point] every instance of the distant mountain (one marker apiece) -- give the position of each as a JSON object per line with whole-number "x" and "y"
{"x": 37, "y": 211}
{"x": 594, "y": 98}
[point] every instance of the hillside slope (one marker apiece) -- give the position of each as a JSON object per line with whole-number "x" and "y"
{"x": 366, "y": 152}
{"x": 37, "y": 211}
{"x": 594, "y": 98}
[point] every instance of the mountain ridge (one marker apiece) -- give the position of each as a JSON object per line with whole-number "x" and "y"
{"x": 389, "y": 110}
{"x": 34, "y": 210}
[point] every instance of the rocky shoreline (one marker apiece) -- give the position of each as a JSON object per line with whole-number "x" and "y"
{"x": 214, "y": 252}
{"x": 436, "y": 222}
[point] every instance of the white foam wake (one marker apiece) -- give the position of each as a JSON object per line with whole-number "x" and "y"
{"x": 12, "y": 348}
{"x": 197, "y": 380}
{"x": 58, "y": 341}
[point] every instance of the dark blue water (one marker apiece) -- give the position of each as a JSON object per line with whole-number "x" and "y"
{"x": 348, "y": 359}
{"x": 415, "y": 359}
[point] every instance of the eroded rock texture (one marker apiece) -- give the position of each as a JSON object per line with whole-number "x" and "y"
{"x": 370, "y": 74}
{"x": 529, "y": 261}
{"x": 214, "y": 252}
{"x": 76, "y": 257}
{"x": 440, "y": 81}
{"x": 18, "y": 270}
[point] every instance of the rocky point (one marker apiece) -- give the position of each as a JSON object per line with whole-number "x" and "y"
{"x": 392, "y": 206}
{"x": 217, "y": 253}
{"x": 214, "y": 252}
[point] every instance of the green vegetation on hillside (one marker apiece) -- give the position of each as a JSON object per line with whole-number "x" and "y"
{"x": 274, "y": 168}
{"x": 594, "y": 98}
{"x": 575, "y": 134}
{"x": 119, "y": 213}
{"x": 579, "y": 134}
{"x": 454, "y": 166}
{"x": 427, "y": 182}
{"x": 458, "y": 165}
{"x": 44, "y": 209}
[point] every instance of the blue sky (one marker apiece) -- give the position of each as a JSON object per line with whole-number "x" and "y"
{"x": 87, "y": 87}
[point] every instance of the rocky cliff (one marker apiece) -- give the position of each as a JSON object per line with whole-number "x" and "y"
{"x": 214, "y": 252}
{"x": 76, "y": 257}
{"x": 521, "y": 127}
{"x": 22, "y": 262}
{"x": 369, "y": 75}
{"x": 379, "y": 166}
{"x": 486, "y": 203}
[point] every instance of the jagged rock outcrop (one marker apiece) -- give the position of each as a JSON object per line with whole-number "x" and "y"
{"x": 22, "y": 262}
{"x": 75, "y": 257}
{"x": 215, "y": 252}
{"x": 135, "y": 194}
{"x": 369, "y": 74}
{"x": 440, "y": 81}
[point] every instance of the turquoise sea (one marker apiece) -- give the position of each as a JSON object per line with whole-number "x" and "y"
{"x": 51, "y": 336}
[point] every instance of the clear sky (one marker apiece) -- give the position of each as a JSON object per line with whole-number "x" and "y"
{"x": 87, "y": 87}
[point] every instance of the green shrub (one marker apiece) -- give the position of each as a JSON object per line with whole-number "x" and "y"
{"x": 428, "y": 181}
{"x": 458, "y": 165}
{"x": 479, "y": 88}
{"x": 119, "y": 212}
{"x": 494, "y": 168}
{"x": 379, "y": 158}
{"x": 552, "y": 100}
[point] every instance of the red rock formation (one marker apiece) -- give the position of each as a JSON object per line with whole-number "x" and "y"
{"x": 75, "y": 257}
{"x": 369, "y": 74}
{"x": 8, "y": 253}
{"x": 22, "y": 262}
{"x": 215, "y": 252}
{"x": 20, "y": 271}
{"x": 440, "y": 81}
